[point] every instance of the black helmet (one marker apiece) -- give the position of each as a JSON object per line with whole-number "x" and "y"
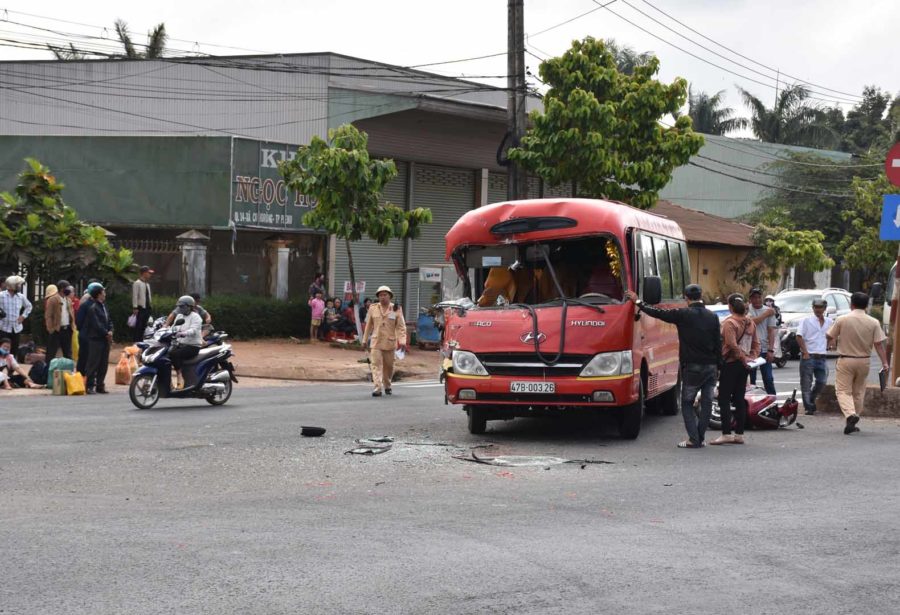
{"x": 693, "y": 292}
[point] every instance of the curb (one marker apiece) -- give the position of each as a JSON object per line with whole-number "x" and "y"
{"x": 878, "y": 404}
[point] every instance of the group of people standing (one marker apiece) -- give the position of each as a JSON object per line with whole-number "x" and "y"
{"x": 331, "y": 313}
{"x": 712, "y": 353}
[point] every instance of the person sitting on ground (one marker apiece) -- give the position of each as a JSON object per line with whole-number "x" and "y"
{"x": 11, "y": 373}
{"x": 341, "y": 323}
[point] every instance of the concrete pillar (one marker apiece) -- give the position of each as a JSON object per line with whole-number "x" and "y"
{"x": 279, "y": 263}
{"x": 193, "y": 245}
{"x": 482, "y": 180}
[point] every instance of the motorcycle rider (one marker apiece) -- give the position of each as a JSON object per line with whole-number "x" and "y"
{"x": 700, "y": 346}
{"x": 767, "y": 331}
{"x": 188, "y": 336}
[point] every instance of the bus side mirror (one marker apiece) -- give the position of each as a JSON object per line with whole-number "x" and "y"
{"x": 877, "y": 291}
{"x": 652, "y": 290}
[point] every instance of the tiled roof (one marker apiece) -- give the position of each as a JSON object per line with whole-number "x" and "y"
{"x": 701, "y": 227}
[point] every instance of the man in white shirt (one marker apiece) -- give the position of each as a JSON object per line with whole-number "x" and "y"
{"x": 14, "y": 309}
{"x": 140, "y": 303}
{"x": 813, "y": 341}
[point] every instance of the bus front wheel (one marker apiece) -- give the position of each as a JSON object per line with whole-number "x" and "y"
{"x": 477, "y": 419}
{"x": 630, "y": 418}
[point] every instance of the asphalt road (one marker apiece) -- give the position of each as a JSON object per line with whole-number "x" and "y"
{"x": 193, "y": 509}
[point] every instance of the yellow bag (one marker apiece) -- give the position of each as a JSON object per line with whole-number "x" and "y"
{"x": 74, "y": 383}
{"x": 75, "y": 345}
{"x": 123, "y": 370}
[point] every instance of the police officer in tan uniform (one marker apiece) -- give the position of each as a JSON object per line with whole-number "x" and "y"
{"x": 386, "y": 329}
{"x": 857, "y": 334}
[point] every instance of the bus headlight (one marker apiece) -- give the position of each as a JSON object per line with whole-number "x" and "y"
{"x": 608, "y": 364}
{"x": 465, "y": 362}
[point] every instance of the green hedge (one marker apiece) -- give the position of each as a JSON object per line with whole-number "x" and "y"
{"x": 241, "y": 316}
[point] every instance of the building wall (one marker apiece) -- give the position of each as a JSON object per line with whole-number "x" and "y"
{"x": 711, "y": 268}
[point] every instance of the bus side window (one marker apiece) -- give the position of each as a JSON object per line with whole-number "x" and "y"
{"x": 648, "y": 260}
{"x": 686, "y": 262}
{"x": 665, "y": 268}
{"x": 678, "y": 282}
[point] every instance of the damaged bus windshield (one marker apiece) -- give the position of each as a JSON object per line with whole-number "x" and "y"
{"x": 539, "y": 273}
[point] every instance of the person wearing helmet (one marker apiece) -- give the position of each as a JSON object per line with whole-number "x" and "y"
{"x": 15, "y": 308}
{"x": 700, "y": 347}
{"x": 188, "y": 332}
{"x": 386, "y": 329}
{"x": 81, "y": 316}
{"x": 769, "y": 301}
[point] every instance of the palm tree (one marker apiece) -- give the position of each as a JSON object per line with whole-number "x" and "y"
{"x": 791, "y": 121}
{"x": 156, "y": 41}
{"x": 63, "y": 53}
{"x": 627, "y": 59}
{"x": 708, "y": 115}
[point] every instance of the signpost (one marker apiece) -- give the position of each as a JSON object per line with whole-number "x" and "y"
{"x": 890, "y": 230}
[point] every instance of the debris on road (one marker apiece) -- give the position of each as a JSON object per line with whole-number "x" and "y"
{"x": 312, "y": 432}
{"x": 377, "y": 439}
{"x": 368, "y": 450}
{"x": 520, "y": 461}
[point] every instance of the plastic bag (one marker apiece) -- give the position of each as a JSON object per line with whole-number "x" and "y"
{"x": 123, "y": 370}
{"x": 76, "y": 347}
{"x": 132, "y": 321}
{"x": 58, "y": 382}
{"x": 74, "y": 383}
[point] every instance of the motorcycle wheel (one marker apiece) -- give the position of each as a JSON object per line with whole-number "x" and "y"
{"x": 715, "y": 417}
{"x": 142, "y": 395}
{"x": 217, "y": 399}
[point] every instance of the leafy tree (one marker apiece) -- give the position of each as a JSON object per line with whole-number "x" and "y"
{"x": 600, "y": 127}
{"x": 40, "y": 231}
{"x": 861, "y": 246}
{"x": 156, "y": 42}
{"x": 812, "y": 193}
{"x": 70, "y": 53}
{"x": 710, "y": 117}
{"x": 777, "y": 249}
{"x": 626, "y": 58}
{"x": 347, "y": 185}
{"x": 792, "y": 121}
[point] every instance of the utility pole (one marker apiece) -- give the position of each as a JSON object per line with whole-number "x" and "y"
{"x": 517, "y": 180}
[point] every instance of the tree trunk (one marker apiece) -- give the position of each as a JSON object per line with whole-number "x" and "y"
{"x": 353, "y": 290}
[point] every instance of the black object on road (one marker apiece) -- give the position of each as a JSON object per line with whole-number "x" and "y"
{"x": 312, "y": 432}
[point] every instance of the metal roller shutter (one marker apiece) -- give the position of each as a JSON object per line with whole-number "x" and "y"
{"x": 372, "y": 261}
{"x": 449, "y": 193}
{"x": 496, "y": 187}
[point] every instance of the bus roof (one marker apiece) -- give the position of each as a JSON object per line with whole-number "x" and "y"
{"x": 591, "y": 216}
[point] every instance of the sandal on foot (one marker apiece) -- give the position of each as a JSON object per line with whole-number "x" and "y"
{"x": 738, "y": 439}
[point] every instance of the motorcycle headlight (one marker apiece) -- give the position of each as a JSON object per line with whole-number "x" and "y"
{"x": 608, "y": 364}
{"x": 465, "y": 362}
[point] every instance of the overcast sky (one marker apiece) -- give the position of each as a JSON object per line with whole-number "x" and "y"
{"x": 836, "y": 44}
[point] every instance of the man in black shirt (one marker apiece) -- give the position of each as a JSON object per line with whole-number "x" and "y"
{"x": 700, "y": 349}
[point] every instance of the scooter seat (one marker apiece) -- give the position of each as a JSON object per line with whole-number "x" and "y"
{"x": 204, "y": 353}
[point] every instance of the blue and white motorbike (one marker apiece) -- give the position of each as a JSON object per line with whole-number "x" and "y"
{"x": 207, "y": 376}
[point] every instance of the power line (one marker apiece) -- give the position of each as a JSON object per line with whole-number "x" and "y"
{"x": 702, "y": 59}
{"x": 562, "y": 23}
{"x": 769, "y": 186}
{"x": 774, "y": 70}
{"x": 716, "y": 53}
{"x": 758, "y": 172}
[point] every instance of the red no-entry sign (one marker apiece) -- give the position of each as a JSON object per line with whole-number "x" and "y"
{"x": 892, "y": 165}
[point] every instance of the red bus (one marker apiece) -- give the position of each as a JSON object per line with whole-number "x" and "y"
{"x": 550, "y": 331}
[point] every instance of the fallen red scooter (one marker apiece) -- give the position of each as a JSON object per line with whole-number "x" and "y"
{"x": 763, "y": 411}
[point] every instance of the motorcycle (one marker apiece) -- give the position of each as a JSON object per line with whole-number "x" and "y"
{"x": 763, "y": 411}
{"x": 207, "y": 376}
